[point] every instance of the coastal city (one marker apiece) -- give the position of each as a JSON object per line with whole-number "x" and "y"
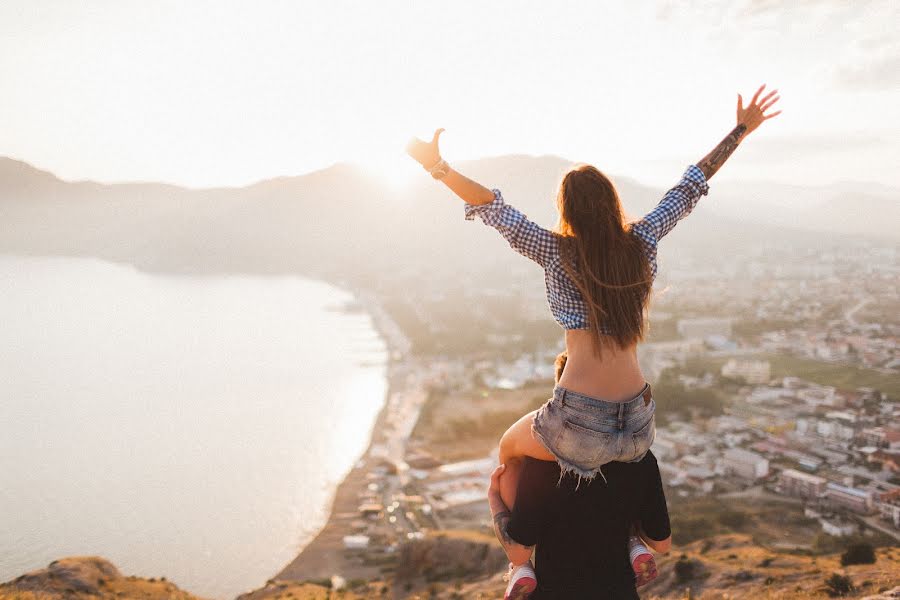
{"x": 777, "y": 385}
{"x": 776, "y": 376}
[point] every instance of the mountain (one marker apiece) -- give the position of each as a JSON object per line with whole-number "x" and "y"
{"x": 855, "y": 209}
{"x": 342, "y": 220}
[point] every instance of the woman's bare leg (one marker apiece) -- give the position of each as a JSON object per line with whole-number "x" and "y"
{"x": 517, "y": 443}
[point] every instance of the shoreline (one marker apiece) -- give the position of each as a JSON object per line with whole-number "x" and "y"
{"x": 325, "y": 554}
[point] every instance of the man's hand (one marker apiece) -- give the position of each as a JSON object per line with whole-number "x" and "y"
{"x": 753, "y": 116}
{"x": 494, "y": 487}
{"x": 517, "y": 553}
{"x": 426, "y": 154}
{"x": 493, "y": 493}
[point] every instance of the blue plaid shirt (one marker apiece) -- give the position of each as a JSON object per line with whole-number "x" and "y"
{"x": 542, "y": 245}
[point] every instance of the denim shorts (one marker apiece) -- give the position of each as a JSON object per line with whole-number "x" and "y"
{"x": 585, "y": 433}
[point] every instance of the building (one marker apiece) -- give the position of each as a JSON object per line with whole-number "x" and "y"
{"x": 356, "y": 542}
{"x": 853, "y": 499}
{"x": 838, "y": 527}
{"x": 820, "y": 395}
{"x": 801, "y": 485}
{"x": 704, "y": 327}
{"x": 837, "y": 425}
{"x": 744, "y": 464}
{"x": 873, "y": 436}
{"x": 890, "y": 512}
{"x": 751, "y": 371}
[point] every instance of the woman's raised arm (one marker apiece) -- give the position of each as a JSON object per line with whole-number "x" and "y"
{"x": 748, "y": 119}
{"x": 428, "y": 155}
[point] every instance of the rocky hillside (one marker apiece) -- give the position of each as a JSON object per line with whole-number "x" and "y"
{"x": 86, "y": 578}
{"x": 724, "y": 567}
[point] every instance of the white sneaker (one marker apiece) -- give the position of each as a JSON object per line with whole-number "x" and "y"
{"x": 522, "y": 581}
{"x": 642, "y": 562}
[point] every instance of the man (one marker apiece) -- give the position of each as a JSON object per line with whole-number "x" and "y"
{"x": 581, "y": 529}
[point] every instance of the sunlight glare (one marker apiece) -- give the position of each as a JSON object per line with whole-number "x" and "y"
{"x": 396, "y": 170}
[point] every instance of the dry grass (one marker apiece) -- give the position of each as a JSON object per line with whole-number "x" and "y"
{"x": 732, "y": 567}
{"x": 480, "y": 417}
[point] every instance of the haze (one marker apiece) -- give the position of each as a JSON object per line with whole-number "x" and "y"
{"x": 226, "y": 93}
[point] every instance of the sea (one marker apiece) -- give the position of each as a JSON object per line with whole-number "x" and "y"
{"x": 181, "y": 426}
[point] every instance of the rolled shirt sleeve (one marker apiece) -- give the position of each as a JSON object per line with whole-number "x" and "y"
{"x": 677, "y": 203}
{"x": 524, "y": 236}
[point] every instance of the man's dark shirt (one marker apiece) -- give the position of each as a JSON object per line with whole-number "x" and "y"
{"x": 582, "y": 535}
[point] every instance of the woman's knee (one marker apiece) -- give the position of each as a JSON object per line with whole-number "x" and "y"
{"x": 508, "y": 445}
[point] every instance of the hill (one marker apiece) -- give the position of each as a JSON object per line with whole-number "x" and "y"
{"x": 341, "y": 223}
{"x": 88, "y": 578}
{"x": 720, "y": 567}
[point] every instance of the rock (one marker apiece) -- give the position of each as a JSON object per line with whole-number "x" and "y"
{"x": 85, "y": 574}
{"x": 893, "y": 594}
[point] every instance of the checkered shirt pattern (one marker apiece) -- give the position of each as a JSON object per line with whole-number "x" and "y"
{"x": 542, "y": 246}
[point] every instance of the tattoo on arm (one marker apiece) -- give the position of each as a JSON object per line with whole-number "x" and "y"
{"x": 510, "y": 546}
{"x": 712, "y": 161}
{"x": 501, "y": 520}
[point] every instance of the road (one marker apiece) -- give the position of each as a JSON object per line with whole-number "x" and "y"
{"x": 848, "y": 316}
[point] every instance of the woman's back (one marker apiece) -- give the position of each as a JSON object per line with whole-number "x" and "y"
{"x": 615, "y": 376}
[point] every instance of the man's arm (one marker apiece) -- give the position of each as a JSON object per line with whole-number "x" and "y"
{"x": 658, "y": 546}
{"x": 652, "y": 522}
{"x": 517, "y": 553}
{"x": 748, "y": 119}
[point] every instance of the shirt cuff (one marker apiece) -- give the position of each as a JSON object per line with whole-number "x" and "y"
{"x": 696, "y": 180}
{"x": 482, "y": 209}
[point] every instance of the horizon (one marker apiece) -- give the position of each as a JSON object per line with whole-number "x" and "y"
{"x": 123, "y": 93}
{"x": 364, "y": 169}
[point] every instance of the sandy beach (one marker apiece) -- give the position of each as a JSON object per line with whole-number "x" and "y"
{"x": 326, "y": 555}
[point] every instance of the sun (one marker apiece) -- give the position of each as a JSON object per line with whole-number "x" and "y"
{"x": 395, "y": 169}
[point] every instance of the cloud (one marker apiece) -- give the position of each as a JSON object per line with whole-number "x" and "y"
{"x": 781, "y": 147}
{"x": 856, "y": 46}
{"x": 872, "y": 64}
{"x": 735, "y": 13}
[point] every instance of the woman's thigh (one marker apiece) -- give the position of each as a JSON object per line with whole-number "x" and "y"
{"x": 519, "y": 441}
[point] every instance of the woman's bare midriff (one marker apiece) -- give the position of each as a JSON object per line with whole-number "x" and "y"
{"x": 615, "y": 376}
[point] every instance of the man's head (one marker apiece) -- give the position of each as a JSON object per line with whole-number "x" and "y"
{"x": 561, "y": 364}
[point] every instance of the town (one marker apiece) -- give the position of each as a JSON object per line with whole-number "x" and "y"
{"x": 777, "y": 381}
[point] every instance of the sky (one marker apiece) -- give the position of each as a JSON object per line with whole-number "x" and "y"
{"x": 221, "y": 93}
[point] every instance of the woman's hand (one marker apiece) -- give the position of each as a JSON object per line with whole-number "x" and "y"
{"x": 426, "y": 154}
{"x": 748, "y": 119}
{"x": 753, "y": 116}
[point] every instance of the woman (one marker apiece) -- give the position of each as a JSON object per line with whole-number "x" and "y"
{"x": 598, "y": 273}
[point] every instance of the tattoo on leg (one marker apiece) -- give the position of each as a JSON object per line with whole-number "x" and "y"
{"x": 712, "y": 161}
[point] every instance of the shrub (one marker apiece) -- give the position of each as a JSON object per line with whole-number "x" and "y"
{"x": 733, "y": 519}
{"x": 861, "y": 553}
{"x": 838, "y": 585}
{"x": 684, "y": 569}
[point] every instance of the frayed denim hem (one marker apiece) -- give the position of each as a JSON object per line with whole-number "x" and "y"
{"x": 582, "y": 474}
{"x": 566, "y": 467}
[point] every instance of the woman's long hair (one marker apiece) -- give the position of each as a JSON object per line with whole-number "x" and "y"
{"x": 606, "y": 262}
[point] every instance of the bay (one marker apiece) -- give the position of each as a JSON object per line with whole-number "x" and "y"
{"x": 187, "y": 427}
